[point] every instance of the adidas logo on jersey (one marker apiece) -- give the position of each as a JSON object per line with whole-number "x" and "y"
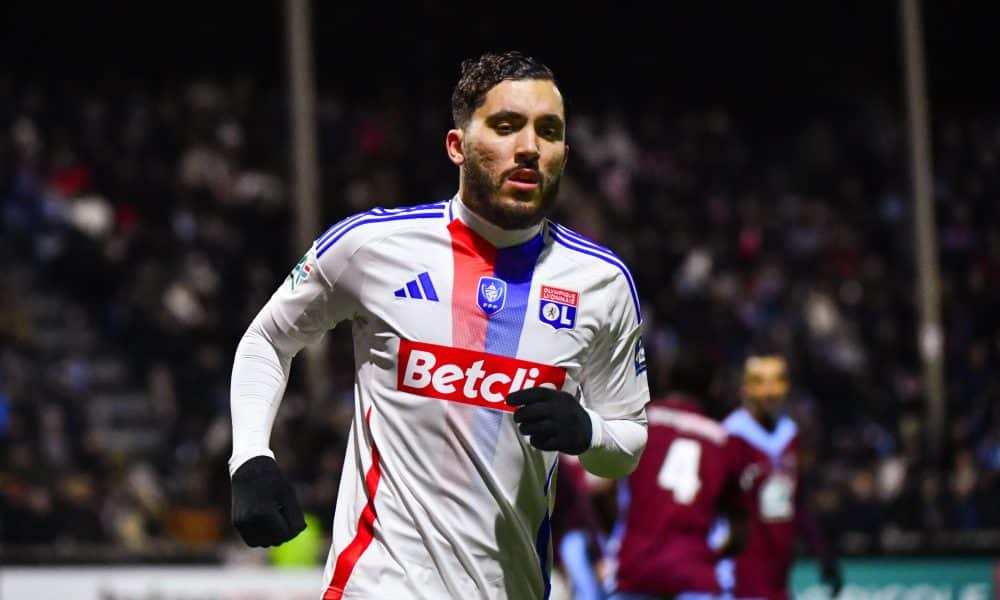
{"x": 469, "y": 377}
{"x": 420, "y": 288}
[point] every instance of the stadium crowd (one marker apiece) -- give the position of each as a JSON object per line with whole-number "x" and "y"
{"x": 141, "y": 230}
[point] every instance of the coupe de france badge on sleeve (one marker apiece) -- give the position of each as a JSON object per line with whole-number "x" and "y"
{"x": 557, "y": 307}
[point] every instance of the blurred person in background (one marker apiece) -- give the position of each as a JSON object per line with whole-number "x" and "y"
{"x": 577, "y": 537}
{"x": 477, "y": 324}
{"x": 770, "y": 483}
{"x": 686, "y": 479}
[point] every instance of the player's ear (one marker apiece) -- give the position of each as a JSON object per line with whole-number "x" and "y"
{"x": 453, "y": 145}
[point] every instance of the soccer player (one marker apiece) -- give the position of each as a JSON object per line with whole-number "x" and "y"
{"x": 686, "y": 479}
{"x": 770, "y": 482}
{"x": 487, "y": 339}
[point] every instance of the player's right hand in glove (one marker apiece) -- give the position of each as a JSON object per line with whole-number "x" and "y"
{"x": 265, "y": 510}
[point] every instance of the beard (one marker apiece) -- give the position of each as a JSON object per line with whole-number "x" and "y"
{"x": 484, "y": 194}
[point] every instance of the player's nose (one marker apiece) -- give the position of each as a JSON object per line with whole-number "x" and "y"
{"x": 526, "y": 148}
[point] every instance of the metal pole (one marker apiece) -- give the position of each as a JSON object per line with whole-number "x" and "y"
{"x": 931, "y": 337}
{"x": 305, "y": 169}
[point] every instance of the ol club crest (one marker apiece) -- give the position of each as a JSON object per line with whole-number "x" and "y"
{"x": 557, "y": 307}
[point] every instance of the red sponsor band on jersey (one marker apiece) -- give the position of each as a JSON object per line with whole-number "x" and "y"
{"x": 469, "y": 377}
{"x": 560, "y": 295}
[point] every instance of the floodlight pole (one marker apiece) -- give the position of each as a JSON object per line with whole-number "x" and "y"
{"x": 930, "y": 332}
{"x": 305, "y": 169}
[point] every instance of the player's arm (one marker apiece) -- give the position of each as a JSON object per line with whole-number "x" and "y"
{"x": 608, "y": 429}
{"x": 809, "y": 526}
{"x": 616, "y": 391}
{"x": 737, "y": 517}
{"x": 305, "y": 306}
{"x": 733, "y": 504}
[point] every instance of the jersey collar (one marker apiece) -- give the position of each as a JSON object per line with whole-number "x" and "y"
{"x": 500, "y": 238}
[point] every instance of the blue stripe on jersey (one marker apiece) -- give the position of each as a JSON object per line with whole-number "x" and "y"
{"x": 377, "y": 211}
{"x": 544, "y": 536}
{"x": 574, "y": 242}
{"x": 341, "y": 232}
{"x": 515, "y": 265}
{"x": 542, "y": 547}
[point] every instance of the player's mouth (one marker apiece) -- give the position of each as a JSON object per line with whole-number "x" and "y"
{"x": 524, "y": 179}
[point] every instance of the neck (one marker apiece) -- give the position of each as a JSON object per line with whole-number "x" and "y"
{"x": 766, "y": 420}
{"x": 499, "y": 237}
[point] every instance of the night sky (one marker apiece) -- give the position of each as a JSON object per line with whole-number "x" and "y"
{"x": 760, "y": 55}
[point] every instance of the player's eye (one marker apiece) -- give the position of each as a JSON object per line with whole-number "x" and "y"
{"x": 504, "y": 128}
{"x": 550, "y": 132}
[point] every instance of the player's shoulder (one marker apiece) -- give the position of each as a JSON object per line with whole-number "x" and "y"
{"x": 740, "y": 425}
{"x": 735, "y": 419}
{"x": 596, "y": 260}
{"x": 359, "y": 229}
{"x": 686, "y": 422}
{"x": 582, "y": 249}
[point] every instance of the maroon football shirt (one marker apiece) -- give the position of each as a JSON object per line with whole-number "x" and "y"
{"x": 686, "y": 473}
{"x": 770, "y": 485}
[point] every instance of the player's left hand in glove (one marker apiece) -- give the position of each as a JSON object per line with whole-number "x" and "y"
{"x": 265, "y": 510}
{"x": 831, "y": 576}
{"x": 552, "y": 420}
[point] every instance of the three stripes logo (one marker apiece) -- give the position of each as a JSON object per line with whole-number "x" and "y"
{"x": 420, "y": 288}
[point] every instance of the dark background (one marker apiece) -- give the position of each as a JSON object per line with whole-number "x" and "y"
{"x": 778, "y": 147}
{"x": 740, "y": 55}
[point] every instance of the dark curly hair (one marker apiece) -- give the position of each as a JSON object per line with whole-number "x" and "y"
{"x": 479, "y": 75}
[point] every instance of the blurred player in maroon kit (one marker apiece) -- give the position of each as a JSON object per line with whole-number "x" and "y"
{"x": 687, "y": 476}
{"x": 770, "y": 483}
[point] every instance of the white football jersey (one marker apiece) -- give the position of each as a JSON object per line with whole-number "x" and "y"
{"x": 440, "y": 496}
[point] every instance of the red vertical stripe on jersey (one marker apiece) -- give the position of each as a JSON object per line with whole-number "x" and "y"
{"x": 474, "y": 258}
{"x": 366, "y": 530}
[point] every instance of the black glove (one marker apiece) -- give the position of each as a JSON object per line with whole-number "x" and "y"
{"x": 830, "y": 575}
{"x": 553, "y": 420}
{"x": 265, "y": 510}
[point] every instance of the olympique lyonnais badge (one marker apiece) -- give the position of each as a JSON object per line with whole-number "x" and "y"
{"x": 492, "y": 294}
{"x": 558, "y": 307}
